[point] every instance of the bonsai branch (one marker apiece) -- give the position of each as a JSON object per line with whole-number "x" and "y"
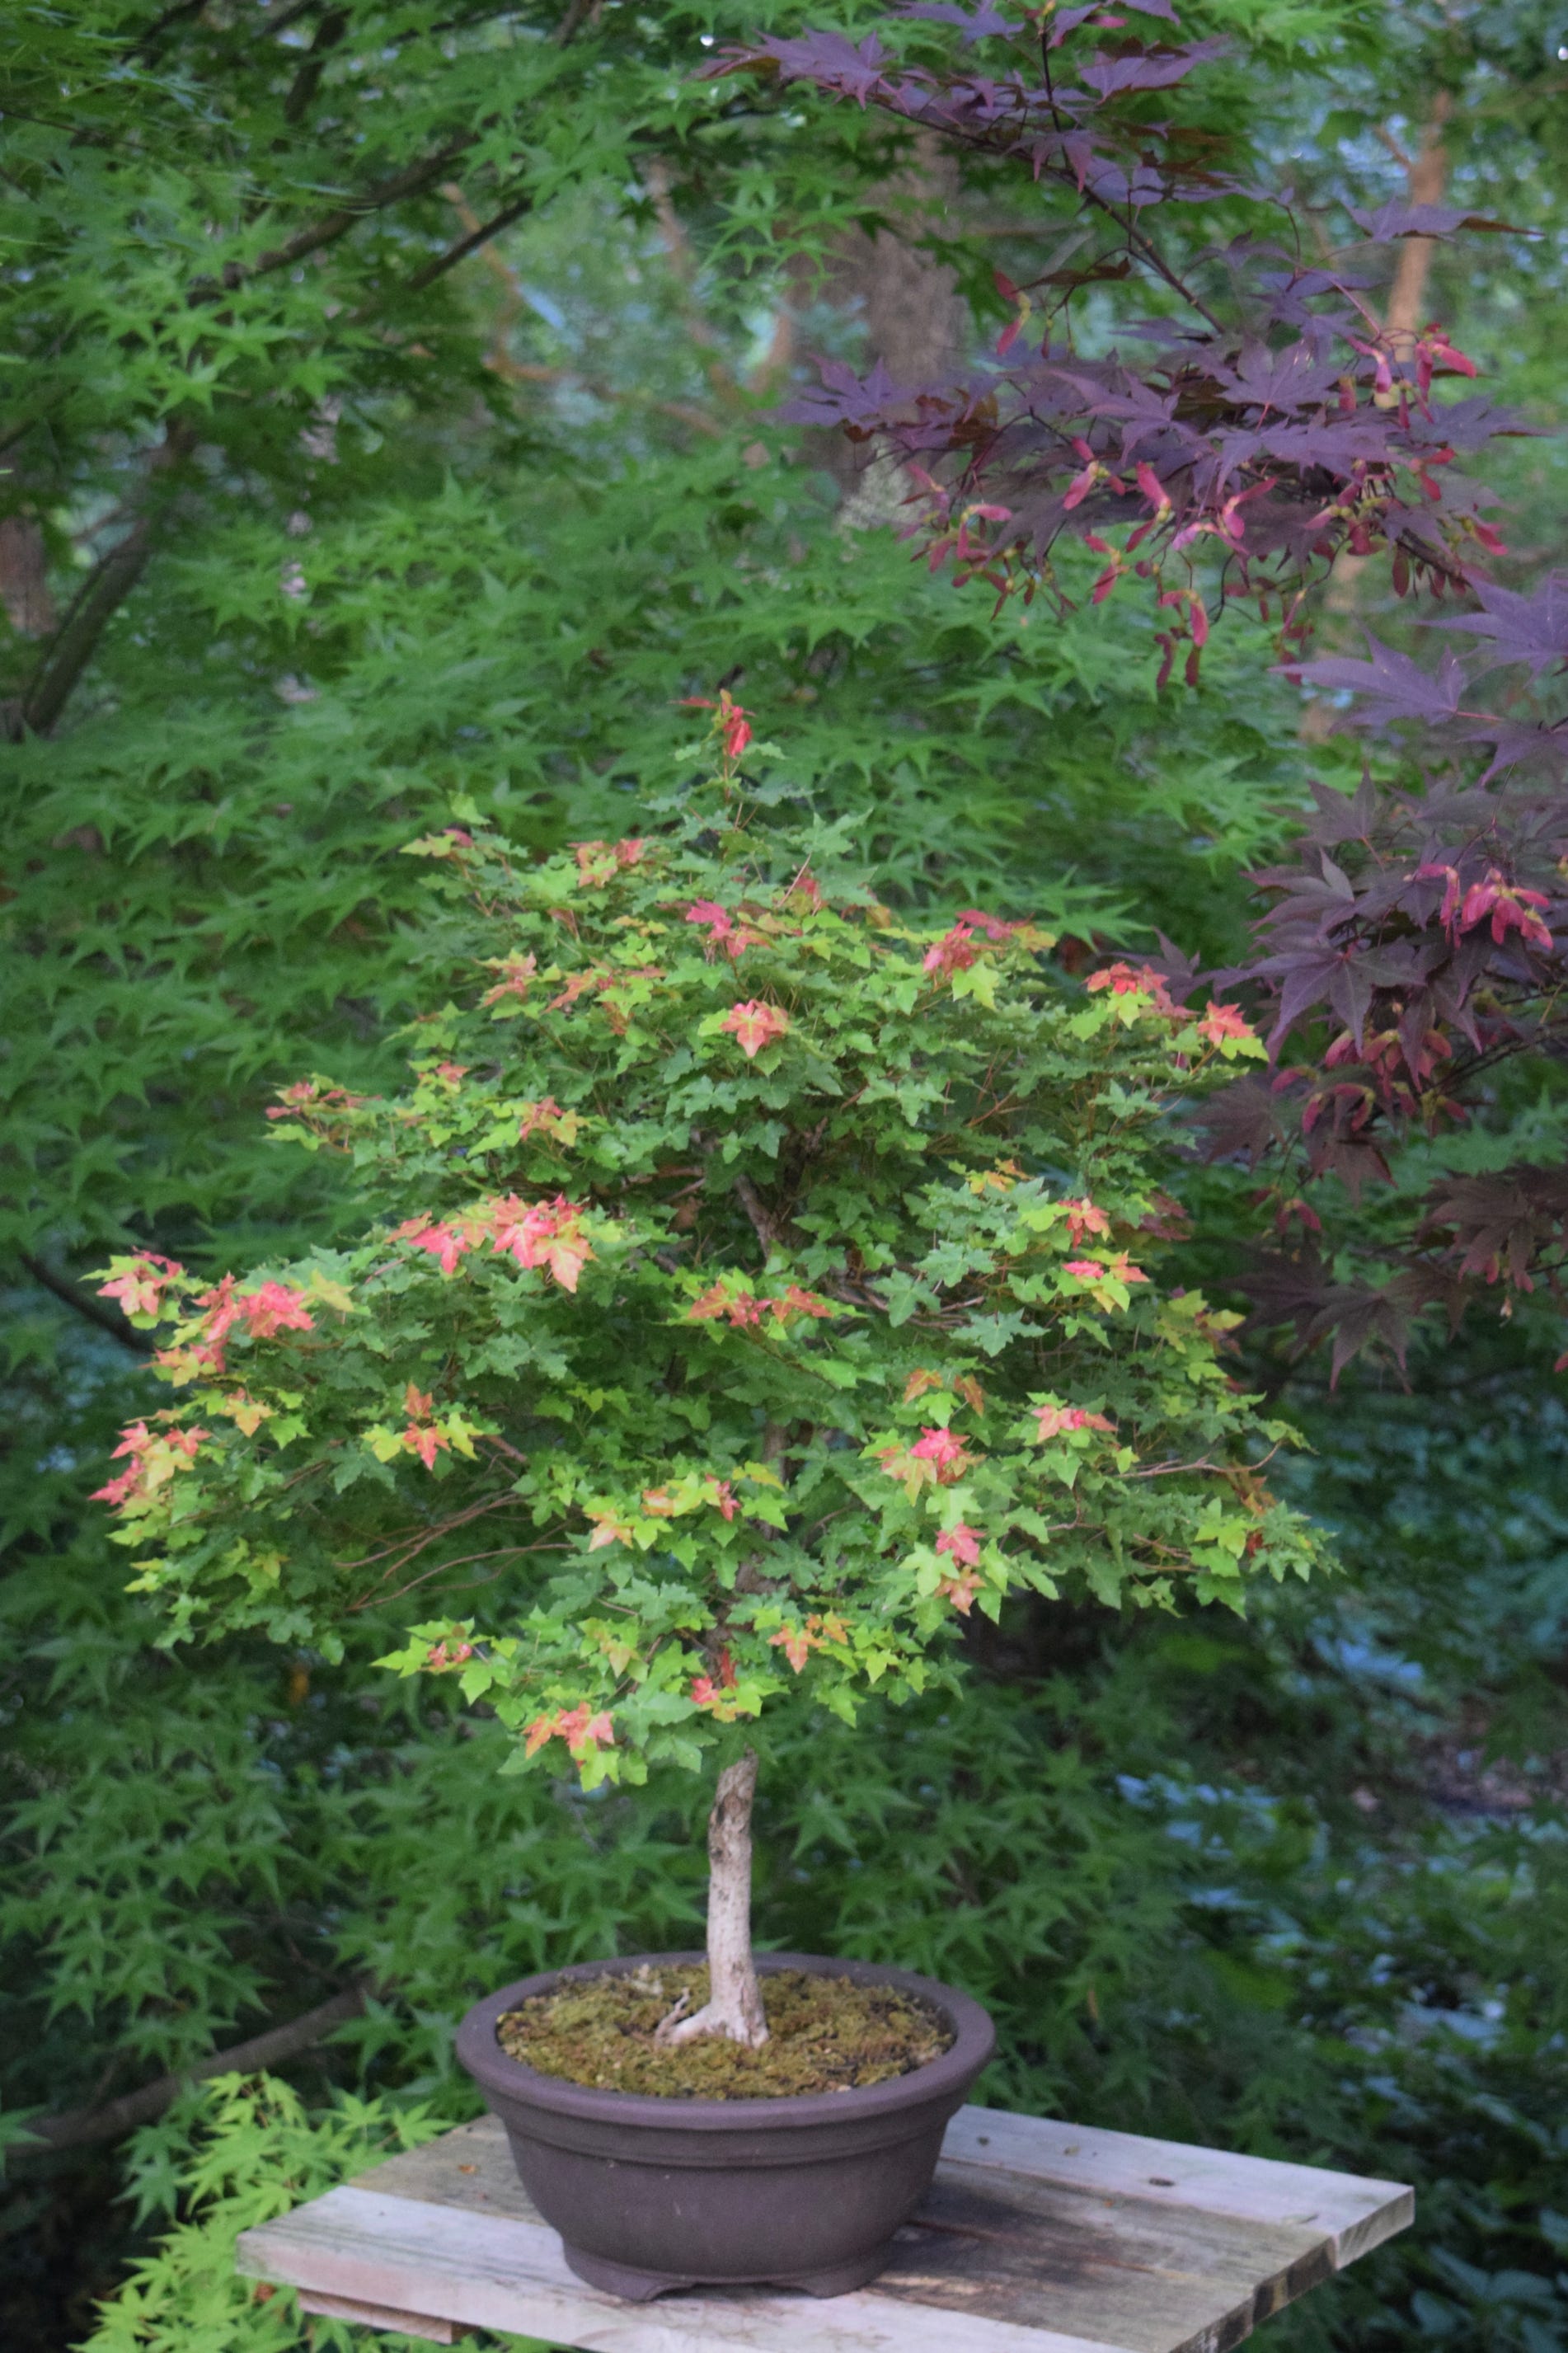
{"x": 735, "y": 2004}
{"x": 764, "y": 1225}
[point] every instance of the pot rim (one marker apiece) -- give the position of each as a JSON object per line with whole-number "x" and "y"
{"x": 948, "y": 2076}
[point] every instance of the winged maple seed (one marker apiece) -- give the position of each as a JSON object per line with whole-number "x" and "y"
{"x": 731, "y": 725}
{"x": 1257, "y": 439}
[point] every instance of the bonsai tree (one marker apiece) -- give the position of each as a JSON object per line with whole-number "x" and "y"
{"x": 753, "y": 1285}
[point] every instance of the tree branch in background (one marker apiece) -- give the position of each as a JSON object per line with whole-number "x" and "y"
{"x": 529, "y": 372}
{"x": 307, "y": 81}
{"x": 82, "y": 1302}
{"x": 101, "y": 595}
{"x": 79, "y": 2128}
{"x": 476, "y": 238}
{"x": 578, "y": 14}
{"x": 678, "y": 252}
{"x": 410, "y": 182}
{"x": 161, "y": 24}
{"x": 105, "y": 591}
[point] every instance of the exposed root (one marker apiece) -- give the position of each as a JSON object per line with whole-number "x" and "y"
{"x": 664, "y": 2031}
{"x": 714, "y": 2018}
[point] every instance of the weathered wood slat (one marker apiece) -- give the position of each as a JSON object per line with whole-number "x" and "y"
{"x": 508, "y": 2275}
{"x": 1353, "y": 2212}
{"x": 1038, "y": 2238}
{"x": 378, "y": 2316}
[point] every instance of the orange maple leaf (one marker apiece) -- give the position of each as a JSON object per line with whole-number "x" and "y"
{"x": 754, "y": 1025}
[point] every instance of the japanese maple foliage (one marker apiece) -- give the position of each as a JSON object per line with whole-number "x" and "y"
{"x": 1417, "y": 947}
{"x": 751, "y": 1284}
{"x": 1231, "y": 448}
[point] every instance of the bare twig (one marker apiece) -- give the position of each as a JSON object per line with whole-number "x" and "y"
{"x": 410, "y": 182}
{"x": 1386, "y": 137}
{"x": 526, "y": 372}
{"x": 1141, "y": 244}
{"x": 409, "y": 1545}
{"x": 464, "y": 1560}
{"x": 682, "y": 263}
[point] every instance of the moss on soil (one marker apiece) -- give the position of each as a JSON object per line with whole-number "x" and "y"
{"x": 825, "y": 2034}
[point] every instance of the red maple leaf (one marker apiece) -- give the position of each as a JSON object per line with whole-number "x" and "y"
{"x": 140, "y": 1290}
{"x": 445, "y": 1243}
{"x": 945, "y": 1453}
{"x": 961, "y": 1543}
{"x": 754, "y": 1025}
{"x": 546, "y": 1234}
{"x": 1054, "y": 1418}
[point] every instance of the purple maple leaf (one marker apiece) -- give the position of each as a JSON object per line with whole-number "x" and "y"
{"x": 981, "y": 23}
{"x": 829, "y": 60}
{"x": 1391, "y": 686}
{"x": 1532, "y": 628}
{"x": 1155, "y": 69}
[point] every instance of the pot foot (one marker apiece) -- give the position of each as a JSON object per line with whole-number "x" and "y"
{"x": 843, "y": 2279}
{"x": 634, "y": 2286}
{"x": 620, "y": 2279}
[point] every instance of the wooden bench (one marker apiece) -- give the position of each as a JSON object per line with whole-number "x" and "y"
{"x": 1037, "y": 2237}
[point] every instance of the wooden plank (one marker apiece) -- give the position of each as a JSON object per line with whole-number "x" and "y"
{"x": 377, "y": 2316}
{"x": 1355, "y": 2214}
{"x": 487, "y": 2272}
{"x": 1149, "y": 2278}
{"x": 1021, "y": 2250}
{"x": 469, "y": 2167}
{"x": 1037, "y": 2237}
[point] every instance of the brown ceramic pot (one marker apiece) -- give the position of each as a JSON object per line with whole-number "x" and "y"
{"x": 802, "y": 2192}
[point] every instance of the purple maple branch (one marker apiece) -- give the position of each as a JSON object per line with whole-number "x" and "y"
{"x": 1137, "y": 238}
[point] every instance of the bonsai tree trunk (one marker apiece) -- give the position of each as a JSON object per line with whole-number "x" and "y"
{"x": 734, "y": 2006}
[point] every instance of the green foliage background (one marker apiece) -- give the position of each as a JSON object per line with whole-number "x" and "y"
{"x": 1298, "y": 1885}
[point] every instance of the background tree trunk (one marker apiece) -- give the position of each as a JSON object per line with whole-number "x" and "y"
{"x": 24, "y": 581}
{"x": 917, "y": 323}
{"x": 1426, "y": 179}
